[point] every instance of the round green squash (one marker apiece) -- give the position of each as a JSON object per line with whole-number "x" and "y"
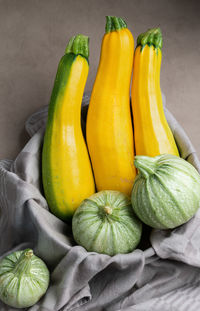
{"x": 105, "y": 223}
{"x": 166, "y": 192}
{"x": 24, "y": 279}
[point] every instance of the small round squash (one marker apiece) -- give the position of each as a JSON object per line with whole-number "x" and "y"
{"x": 166, "y": 192}
{"x": 105, "y": 223}
{"x": 24, "y": 279}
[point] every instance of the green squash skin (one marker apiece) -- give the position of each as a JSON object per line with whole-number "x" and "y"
{"x": 23, "y": 280}
{"x": 60, "y": 84}
{"x": 101, "y": 232}
{"x": 166, "y": 192}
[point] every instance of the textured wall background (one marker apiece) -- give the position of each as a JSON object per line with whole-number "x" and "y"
{"x": 33, "y": 37}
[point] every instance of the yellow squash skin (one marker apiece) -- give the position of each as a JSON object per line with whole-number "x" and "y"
{"x": 151, "y": 131}
{"x": 109, "y": 126}
{"x": 66, "y": 167}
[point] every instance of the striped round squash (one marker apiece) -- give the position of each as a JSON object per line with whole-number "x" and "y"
{"x": 166, "y": 192}
{"x": 105, "y": 223}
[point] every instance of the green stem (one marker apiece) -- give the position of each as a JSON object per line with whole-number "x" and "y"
{"x": 23, "y": 265}
{"x": 78, "y": 44}
{"x": 114, "y": 23}
{"x": 151, "y": 37}
{"x": 145, "y": 165}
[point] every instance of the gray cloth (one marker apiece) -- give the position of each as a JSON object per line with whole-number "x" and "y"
{"x": 162, "y": 274}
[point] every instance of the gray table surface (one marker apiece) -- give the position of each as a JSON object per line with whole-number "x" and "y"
{"x": 33, "y": 37}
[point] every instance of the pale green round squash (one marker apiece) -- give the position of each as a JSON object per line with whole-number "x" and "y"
{"x": 105, "y": 223}
{"x": 166, "y": 192}
{"x": 24, "y": 279}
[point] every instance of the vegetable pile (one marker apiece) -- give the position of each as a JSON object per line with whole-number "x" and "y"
{"x": 117, "y": 178}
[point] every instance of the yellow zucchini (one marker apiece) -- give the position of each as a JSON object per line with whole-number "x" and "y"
{"x": 151, "y": 131}
{"x": 66, "y": 168}
{"x": 109, "y": 129}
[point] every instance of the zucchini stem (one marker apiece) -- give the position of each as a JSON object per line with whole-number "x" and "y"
{"x": 150, "y": 37}
{"x": 114, "y": 23}
{"x": 23, "y": 265}
{"x": 145, "y": 165}
{"x": 78, "y": 44}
